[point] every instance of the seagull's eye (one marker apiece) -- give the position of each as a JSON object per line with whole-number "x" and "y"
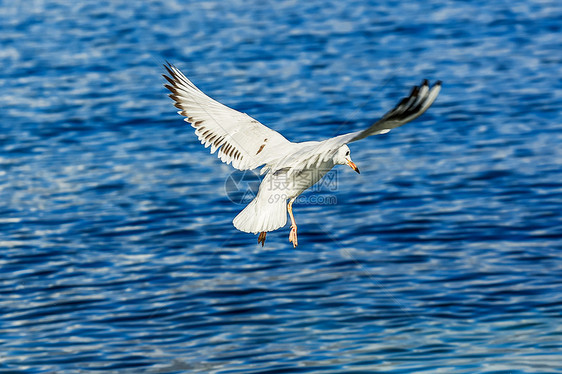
{"x": 347, "y": 153}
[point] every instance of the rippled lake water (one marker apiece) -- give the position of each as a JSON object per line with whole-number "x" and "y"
{"x": 117, "y": 251}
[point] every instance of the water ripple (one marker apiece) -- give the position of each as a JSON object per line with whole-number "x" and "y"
{"x": 118, "y": 253}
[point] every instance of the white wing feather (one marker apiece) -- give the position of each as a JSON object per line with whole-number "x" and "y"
{"x": 240, "y": 139}
{"x": 247, "y": 144}
{"x": 409, "y": 108}
{"x": 312, "y": 154}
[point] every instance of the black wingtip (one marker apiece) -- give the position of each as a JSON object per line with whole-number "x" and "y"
{"x": 438, "y": 83}
{"x": 169, "y": 69}
{"x": 403, "y": 101}
{"x": 169, "y": 79}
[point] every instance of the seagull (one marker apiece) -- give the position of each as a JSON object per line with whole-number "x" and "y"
{"x": 289, "y": 167}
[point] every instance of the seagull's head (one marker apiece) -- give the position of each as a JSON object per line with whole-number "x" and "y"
{"x": 343, "y": 158}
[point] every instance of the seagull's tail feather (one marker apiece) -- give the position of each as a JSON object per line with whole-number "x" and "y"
{"x": 262, "y": 215}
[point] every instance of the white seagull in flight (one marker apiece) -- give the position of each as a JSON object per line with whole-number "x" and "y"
{"x": 289, "y": 168}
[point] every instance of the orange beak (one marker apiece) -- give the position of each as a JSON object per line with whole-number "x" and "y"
{"x": 353, "y": 166}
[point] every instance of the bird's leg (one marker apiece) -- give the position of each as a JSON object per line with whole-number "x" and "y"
{"x": 293, "y": 234}
{"x": 261, "y": 238}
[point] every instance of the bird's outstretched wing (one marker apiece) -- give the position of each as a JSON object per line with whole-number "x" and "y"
{"x": 240, "y": 139}
{"x": 409, "y": 108}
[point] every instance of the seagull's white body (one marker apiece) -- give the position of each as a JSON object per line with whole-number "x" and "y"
{"x": 290, "y": 168}
{"x": 268, "y": 211}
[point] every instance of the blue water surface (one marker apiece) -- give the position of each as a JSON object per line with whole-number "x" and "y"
{"x": 117, "y": 252}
